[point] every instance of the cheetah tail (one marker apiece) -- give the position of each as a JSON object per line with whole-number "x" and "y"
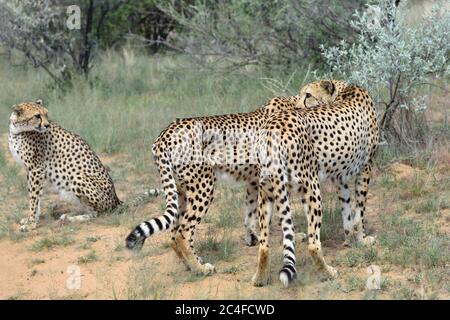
{"x": 136, "y": 238}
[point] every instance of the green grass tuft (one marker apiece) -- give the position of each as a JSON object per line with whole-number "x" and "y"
{"x": 408, "y": 242}
{"x": 50, "y": 241}
{"x": 90, "y": 257}
{"x": 359, "y": 256}
{"x": 223, "y": 249}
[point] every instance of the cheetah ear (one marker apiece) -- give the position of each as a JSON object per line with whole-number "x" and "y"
{"x": 328, "y": 86}
{"x": 39, "y": 102}
{"x": 16, "y": 110}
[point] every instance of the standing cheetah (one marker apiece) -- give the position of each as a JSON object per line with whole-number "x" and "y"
{"x": 322, "y": 92}
{"x": 190, "y": 154}
{"x": 51, "y": 153}
{"x": 296, "y": 150}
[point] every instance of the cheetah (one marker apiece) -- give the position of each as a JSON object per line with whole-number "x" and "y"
{"x": 321, "y": 93}
{"x": 296, "y": 150}
{"x": 52, "y": 154}
{"x": 210, "y": 148}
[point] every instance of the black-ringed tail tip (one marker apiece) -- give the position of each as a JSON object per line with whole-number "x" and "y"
{"x": 134, "y": 241}
{"x": 136, "y": 238}
{"x": 288, "y": 274}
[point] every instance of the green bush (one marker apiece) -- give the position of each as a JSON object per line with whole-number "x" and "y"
{"x": 397, "y": 61}
{"x": 238, "y": 33}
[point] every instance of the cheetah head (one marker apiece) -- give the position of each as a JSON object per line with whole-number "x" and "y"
{"x": 317, "y": 93}
{"x": 29, "y": 116}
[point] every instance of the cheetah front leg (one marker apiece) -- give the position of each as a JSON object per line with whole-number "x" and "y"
{"x": 265, "y": 204}
{"x": 250, "y": 215}
{"x": 313, "y": 210}
{"x": 361, "y": 190}
{"x": 35, "y": 181}
{"x": 346, "y": 211}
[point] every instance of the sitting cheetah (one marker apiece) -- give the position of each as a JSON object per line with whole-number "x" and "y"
{"x": 298, "y": 149}
{"x": 51, "y": 153}
{"x": 190, "y": 154}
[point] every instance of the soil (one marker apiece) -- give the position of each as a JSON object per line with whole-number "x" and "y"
{"x": 156, "y": 273}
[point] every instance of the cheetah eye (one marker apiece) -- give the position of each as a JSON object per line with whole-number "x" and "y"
{"x": 308, "y": 95}
{"x": 37, "y": 116}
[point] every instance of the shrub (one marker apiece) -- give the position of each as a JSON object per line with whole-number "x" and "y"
{"x": 396, "y": 61}
{"x": 238, "y": 33}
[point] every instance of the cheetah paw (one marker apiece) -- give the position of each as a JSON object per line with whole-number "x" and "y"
{"x": 347, "y": 244}
{"x": 301, "y": 236}
{"x": 27, "y": 224}
{"x": 368, "y": 241}
{"x": 260, "y": 280}
{"x": 331, "y": 272}
{"x": 27, "y": 227}
{"x": 208, "y": 269}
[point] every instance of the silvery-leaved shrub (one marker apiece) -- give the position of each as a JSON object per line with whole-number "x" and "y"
{"x": 397, "y": 61}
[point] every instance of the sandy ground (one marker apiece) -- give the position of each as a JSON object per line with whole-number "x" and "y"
{"x": 31, "y": 270}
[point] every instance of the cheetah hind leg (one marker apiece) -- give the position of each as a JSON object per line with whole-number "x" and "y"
{"x": 262, "y": 275}
{"x": 176, "y": 249}
{"x": 77, "y": 218}
{"x": 177, "y": 227}
{"x": 84, "y": 212}
{"x": 190, "y": 260}
{"x": 196, "y": 208}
